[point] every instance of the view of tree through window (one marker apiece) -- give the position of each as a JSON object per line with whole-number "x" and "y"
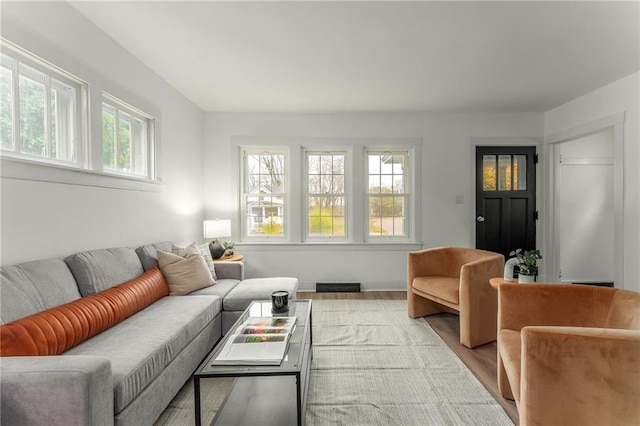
{"x": 125, "y": 141}
{"x": 264, "y": 195}
{"x": 46, "y": 111}
{"x": 326, "y": 194}
{"x": 387, "y": 193}
{"x": 504, "y": 172}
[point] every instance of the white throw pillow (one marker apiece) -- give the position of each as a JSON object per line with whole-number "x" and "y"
{"x": 204, "y": 251}
{"x": 185, "y": 274}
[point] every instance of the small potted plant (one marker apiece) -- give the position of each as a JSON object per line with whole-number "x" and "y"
{"x": 228, "y": 247}
{"x": 527, "y": 264}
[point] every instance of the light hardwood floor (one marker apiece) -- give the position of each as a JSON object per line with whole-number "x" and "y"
{"x": 481, "y": 360}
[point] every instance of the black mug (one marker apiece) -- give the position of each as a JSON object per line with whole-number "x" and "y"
{"x": 279, "y": 302}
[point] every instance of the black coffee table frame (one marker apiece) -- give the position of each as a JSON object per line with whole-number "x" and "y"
{"x": 264, "y": 393}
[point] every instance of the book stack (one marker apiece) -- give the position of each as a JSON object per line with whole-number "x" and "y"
{"x": 258, "y": 341}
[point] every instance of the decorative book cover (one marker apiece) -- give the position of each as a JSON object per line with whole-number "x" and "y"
{"x": 258, "y": 341}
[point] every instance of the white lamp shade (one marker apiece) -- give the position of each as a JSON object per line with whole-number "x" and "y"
{"x": 216, "y": 228}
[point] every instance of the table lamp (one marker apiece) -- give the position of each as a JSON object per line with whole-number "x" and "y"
{"x": 215, "y": 229}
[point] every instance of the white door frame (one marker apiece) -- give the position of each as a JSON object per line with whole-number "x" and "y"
{"x": 551, "y": 237}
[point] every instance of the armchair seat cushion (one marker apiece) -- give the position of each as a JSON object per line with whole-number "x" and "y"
{"x": 444, "y": 288}
{"x": 510, "y": 351}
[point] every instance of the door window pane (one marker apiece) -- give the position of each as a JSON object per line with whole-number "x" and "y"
{"x": 489, "y": 172}
{"x": 520, "y": 172}
{"x": 504, "y": 173}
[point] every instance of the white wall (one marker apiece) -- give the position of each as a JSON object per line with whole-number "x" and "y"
{"x": 41, "y": 220}
{"x": 445, "y": 169}
{"x": 621, "y": 96}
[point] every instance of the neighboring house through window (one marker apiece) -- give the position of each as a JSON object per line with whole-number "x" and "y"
{"x": 322, "y": 200}
{"x": 264, "y": 193}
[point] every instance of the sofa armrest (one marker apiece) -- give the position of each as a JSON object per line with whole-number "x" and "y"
{"x": 63, "y": 390}
{"x": 230, "y": 270}
{"x": 579, "y": 375}
{"x": 570, "y": 305}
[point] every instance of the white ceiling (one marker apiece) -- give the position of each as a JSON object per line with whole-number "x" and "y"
{"x": 333, "y": 56}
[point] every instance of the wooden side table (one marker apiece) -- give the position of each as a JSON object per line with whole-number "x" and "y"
{"x": 498, "y": 281}
{"x": 233, "y": 258}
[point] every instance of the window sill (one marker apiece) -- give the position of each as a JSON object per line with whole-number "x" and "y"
{"x": 21, "y": 169}
{"x": 343, "y": 246}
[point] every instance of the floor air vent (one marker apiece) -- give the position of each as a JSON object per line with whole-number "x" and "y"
{"x": 338, "y": 287}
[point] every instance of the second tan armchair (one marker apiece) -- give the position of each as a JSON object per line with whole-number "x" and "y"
{"x": 456, "y": 278}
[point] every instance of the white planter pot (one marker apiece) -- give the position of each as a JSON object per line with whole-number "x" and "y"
{"x": 526, "y": 279}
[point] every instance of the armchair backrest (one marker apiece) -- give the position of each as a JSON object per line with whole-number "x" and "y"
{"x": 445, "y": 261}
{"x": 625, "y": 311}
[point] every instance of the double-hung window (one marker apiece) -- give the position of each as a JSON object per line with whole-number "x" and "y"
{"x": 264, "y": 193}
{"x": 42, "y": 112}
{"x": 388, "y": 193}
{"x": 326, "y": 195}
{"x": 127, "y": 136}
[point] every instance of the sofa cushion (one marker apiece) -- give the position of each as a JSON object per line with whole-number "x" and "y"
{"x": 204, "y": 251}
{"x": 33, "y": 287}
{"x": 153, "y": 338}
{"x": 241, "y": 296}
{"x": 100, "y": 269}
{"x": 185, "y": 274}
{"x": 148, "y": 254}
{"x": 56, "y": 330}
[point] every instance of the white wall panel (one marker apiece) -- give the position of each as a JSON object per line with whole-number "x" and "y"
{"x": 43, "y": 219}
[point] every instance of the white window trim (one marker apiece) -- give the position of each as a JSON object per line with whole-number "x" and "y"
{"x": 90, "y": 174}
{"x": 22, "y": 56}
{"x": 356, "y": 147}
{"x": 120, "y": 105}
{"x": 348, "y": 199}
{"x": 244, "y": 151}
{"x": 409, "y": 191}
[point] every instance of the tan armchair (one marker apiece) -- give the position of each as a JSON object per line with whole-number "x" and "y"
{"x": 447, "y": 279}
{"x": 569, "y": 354}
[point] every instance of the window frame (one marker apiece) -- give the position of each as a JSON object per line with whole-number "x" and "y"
{"x": 79, "y": 143}
{"x": 346, "y": 195}
{"x": 150, "y": 140}
{"x": 408, "y": 193}
{"x": 244, "y": 195}
{"x": 357, "y": 174}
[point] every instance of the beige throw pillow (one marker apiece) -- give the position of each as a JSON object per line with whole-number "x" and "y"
{"x": 185, "y": 274}
{"x": 204, "y": 251}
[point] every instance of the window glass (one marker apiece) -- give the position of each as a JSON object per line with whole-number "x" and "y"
{"x": 520, "y": 172}
{"x": 326, "y": 194}
{"x": 264, "y": 194}
{"x": 489, "y": 172}
{"x": 504, "y": 172}
{"x": 387, "y": 194}
{"x": 6, "y": 103}
{"x": 47, "y": 110}
{"x": 126, "y": 141}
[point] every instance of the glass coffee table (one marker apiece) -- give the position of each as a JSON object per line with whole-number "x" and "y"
{"x": 264, "y": 394}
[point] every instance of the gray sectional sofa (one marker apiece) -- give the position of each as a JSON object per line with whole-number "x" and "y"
{"x": 127, "y": 374}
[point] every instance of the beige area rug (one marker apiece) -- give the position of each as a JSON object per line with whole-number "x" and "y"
{"x": 372, "y": 365}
